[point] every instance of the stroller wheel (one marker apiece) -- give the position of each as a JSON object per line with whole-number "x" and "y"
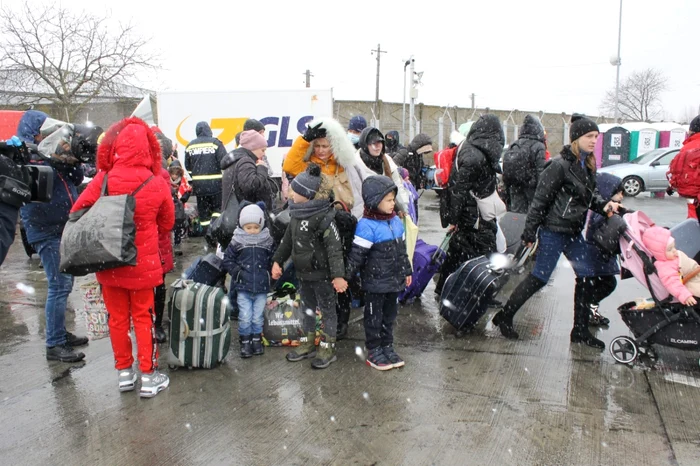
{"x": 623, "y": 350}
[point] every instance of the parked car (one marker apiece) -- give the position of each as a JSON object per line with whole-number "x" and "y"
{"x": 645, "y": 173}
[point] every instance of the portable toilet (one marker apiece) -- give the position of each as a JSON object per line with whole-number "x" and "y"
{"x": 643, "y": 138}
{"x": 615, "y": 146}
{"x": 598, "y": 151}
{"x": 670, "y": 134}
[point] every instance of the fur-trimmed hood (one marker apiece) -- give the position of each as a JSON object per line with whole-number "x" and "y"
{"x": 129, "y": 142}
{"x": 341, "y": 147}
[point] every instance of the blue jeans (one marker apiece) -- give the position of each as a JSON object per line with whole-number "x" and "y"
{"x": 550, "y": 247}
{"x": 250, "y": 312}
{"x": 60, "y": 286}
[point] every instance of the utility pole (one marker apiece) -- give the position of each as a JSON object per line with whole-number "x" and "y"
{"x": 379, "y": 53}
{"x": 618, "y": 62}
{"x": 308, "y": 78}
{"x": 473, "y": 96}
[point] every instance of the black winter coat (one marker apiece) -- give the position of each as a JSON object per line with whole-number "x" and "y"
{"x": 531, "y": 141}
{"x": 251, "y": 182}
{"x": 413, "y": 162}
{"x": 314, "y": 244}
{"x": 248, "y": 262}
{"x": 203, "y": 157}
{"x": 474, "y": 170}
{"x": 564, "y": 194}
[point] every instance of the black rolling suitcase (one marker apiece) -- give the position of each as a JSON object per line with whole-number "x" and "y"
{"x": 469, "y": 290}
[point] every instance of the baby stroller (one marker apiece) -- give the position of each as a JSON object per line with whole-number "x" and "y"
{"x": 656, "y": 321}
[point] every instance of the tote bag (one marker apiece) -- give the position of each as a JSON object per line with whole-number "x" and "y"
{"x": 101, "y": 237}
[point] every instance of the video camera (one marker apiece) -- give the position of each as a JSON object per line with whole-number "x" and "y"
{"x": 82, "y": 140}
{"x": 21, "y": 183}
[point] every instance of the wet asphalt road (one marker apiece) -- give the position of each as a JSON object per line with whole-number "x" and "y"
{"x": 471, "y": 399}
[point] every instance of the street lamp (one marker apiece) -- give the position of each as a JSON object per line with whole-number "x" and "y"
{"x": 615, "y": 61}
{"x": 403, "y": 113}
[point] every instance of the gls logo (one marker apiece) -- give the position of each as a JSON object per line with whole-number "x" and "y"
{"x": 277, "y": 137}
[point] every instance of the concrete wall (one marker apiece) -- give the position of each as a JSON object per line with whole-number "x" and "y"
{"x": 428, "y": 117}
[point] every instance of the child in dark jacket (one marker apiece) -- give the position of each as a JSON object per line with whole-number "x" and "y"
{"x": 247, "y": 259}
{"x": 379, "y": 252}
{"x": 313, "y": 241}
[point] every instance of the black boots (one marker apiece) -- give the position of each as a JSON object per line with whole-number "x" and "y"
{"x": 257, "y": 345}
{"x": 63, "y": 353}
{"x": 580, "y": 332}
{"x": 246, "y": 346}
{"x": 505, "y": 325}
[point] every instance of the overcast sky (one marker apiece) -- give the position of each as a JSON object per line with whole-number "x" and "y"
{"x": 551, "y": 55}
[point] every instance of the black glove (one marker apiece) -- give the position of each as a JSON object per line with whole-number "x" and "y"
{"x": 669, "y": 191}
{"x": 314, "y": 133}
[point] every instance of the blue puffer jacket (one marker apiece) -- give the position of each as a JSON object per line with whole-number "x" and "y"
{"x": 46, "y": 220}
{"x": 248, "y": 259}
{"x": 379, "y": 253}
{"x": 594, "y": 263}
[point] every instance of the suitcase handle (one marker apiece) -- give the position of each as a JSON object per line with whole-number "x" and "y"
{"x": 441, "y": 249}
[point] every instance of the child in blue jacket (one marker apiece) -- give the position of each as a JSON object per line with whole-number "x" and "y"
{"x": 248, "y": 259}
{"x": 379, "y": 253}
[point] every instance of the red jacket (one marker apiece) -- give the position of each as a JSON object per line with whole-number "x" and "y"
{"x": 129, "y": 154}
{"x": 165, "y": 244}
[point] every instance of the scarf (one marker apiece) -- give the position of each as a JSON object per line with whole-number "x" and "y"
{"x": 309, "y": 208}
{"x": 376, "y": 215}
{"x": 176, "y": 182}
{"x": 376, "y": 164}
{"x": 262, "y": 239}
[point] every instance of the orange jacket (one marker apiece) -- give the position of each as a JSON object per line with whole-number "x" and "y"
{"x": 294, "y": 162}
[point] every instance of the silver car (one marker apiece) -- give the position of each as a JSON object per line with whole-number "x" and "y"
{"x": 645, "y": 173}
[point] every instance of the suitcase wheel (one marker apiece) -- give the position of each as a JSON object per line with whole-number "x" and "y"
{"x": 173, "y": 368}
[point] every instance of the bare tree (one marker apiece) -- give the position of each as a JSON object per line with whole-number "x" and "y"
{"x": 54, "y": 55}
{"x": 690, "y": 112}
{"x": 640, "y": 96}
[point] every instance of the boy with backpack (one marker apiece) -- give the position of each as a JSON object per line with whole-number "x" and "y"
{"x": 313, "y": 241}
{"x": 379, "y": 252}
{"x": 247, "y": 260}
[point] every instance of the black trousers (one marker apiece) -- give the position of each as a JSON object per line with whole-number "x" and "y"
{"x": 207, "y": 205}
{"x": 321, "y": 296}
{"x": 8, "y": 227}
{"x": 160, "y": 303}
{"x": 381, "y": 310}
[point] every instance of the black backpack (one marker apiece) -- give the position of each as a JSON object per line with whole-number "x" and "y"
{"x": 345, "y": 222}
{"x": 516, "y": 166}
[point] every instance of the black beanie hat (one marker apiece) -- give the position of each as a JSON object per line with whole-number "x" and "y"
{"x": 695, "y": 125}
{"x": 253, "y": 124}
{"x": 580, "y": 125}
{"x": 307, "y": 183}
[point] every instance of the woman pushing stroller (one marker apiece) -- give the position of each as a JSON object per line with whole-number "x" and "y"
{"x": 565, "y": 192}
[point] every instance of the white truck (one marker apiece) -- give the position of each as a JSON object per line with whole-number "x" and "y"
{"x": 285, "y": 115}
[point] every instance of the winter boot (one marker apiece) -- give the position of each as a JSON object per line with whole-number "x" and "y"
{"x": 596, "y": 318}
{"x": 246, "y": 346}
{"x": 63, "y": 353}
{"x": 580, "y": 332}
{"x": 75, "y": 341}
{"x": 161, "y": 336}
{"x": 342, "y": 331}
{"x": 307, "y": 348}
{"x": 505, "y": 325}
{"x": 326, "y": 353}
{"x": 258, "y": 348}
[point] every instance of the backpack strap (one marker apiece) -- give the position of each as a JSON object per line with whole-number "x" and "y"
{"x": 142, "y": 185}
{"x": 326, "y": 222}
{"x": 103, "y": 191}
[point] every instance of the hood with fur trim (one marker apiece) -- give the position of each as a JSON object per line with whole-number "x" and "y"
{"x": 341, "y": 147}
{"x": 129, "y": 142}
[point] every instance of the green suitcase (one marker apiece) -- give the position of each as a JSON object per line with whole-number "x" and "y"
{"x": 200, "y": 330}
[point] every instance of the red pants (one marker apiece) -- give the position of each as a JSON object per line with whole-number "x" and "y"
{"x": 123, "y": 304}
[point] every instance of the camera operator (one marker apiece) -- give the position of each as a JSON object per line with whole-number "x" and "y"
{"x": 44, "y": 223}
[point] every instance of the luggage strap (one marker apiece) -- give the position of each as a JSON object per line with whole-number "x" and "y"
{"x": 204, "y": 333}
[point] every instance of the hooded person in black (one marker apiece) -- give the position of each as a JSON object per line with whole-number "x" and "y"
{"x": 530, "y": 150}
{"x": 392, "y": 143}
{"x": 412, "y": 158}
{"x": 474, "y": 171}
{"x": 203, "y": 157}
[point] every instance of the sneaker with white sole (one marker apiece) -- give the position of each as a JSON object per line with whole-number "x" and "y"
{"x": 393, "y": 358}
{"x": 153, "y": 383}
{"x": 127, "y": 379}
